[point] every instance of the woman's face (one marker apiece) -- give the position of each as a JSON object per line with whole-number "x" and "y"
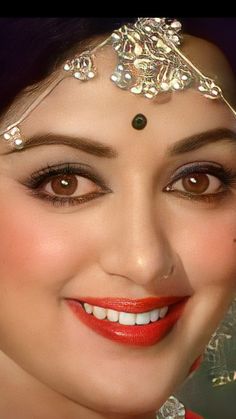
{"x": 153, "y": 207}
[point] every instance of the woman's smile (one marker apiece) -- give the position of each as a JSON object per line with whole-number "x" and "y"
{"x": 118, "y": 226}
{"x": 131, "y": 325}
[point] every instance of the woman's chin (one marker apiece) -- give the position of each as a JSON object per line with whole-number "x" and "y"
{"x": 137, "y": 401}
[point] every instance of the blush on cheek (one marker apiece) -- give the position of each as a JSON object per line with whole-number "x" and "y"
{"x": 210, "y": 254}
{"x": 42, "y": 245}
{"x": 33, "y": 249}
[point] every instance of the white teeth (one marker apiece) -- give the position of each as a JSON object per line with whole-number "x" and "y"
{"x": 143, "y": 318}
{"x": 99, "y": 312}
{"x": 112, "y": 315}
{"x": 163, "y": 312}
{"x": 88, "y": 308}
{"x": 127, "y": 318}
{"x": 154, "y": 315}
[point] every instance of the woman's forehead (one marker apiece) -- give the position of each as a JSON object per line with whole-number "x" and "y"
{"x": 206, "y": 56}
{"x": 101, "y": 88}
{"x": 210, "y": 60}
{"x": 98, "y": 109}
{"x": 100, "y": 93}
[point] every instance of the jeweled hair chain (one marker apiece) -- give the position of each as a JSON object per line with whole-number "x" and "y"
{"x": 149, "y": 62}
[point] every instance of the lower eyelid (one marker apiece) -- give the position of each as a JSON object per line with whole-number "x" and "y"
{"x": 58, "y": 201}
{"x": 209, "y": 198}
{"x": 227, "y": 176}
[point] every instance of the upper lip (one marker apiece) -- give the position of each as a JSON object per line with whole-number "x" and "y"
{"x": 131, "y": 305}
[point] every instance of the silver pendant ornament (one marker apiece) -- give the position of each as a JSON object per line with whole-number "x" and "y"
{"x": 171, "y": 409}
{"x": 150, "y": 62}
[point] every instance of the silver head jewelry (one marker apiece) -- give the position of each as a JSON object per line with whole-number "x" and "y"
{"x": 149, "y": 62}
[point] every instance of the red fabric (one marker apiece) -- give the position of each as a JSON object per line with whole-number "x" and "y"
{"x": 192, "y": 415}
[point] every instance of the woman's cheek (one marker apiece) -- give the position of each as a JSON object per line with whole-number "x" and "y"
{"x": 41, "y": 245}
{"x": 209, "y": 251}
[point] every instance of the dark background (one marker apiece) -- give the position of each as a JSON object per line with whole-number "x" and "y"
{"x": 219, "y": 30}
{"x": 198, "y": 394}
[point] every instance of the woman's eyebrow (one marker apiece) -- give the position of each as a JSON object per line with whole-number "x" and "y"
{"x": 83, "y": 144}
{"x": 202, "y": 139}
{"x": 99, "y": 149}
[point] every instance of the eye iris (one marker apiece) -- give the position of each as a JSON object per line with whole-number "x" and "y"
{"x": 196, "y": 183}
{"x": 64, "y": 184}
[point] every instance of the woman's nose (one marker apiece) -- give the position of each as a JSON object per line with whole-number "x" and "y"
{"x": 137, "y": 246}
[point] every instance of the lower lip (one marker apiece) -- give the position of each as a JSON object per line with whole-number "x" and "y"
{"x": 145, "y": 335}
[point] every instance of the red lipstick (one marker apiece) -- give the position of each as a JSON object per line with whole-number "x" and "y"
{"x": 196, "y": 364}
{"x": 131, "y": 306}
{"x": 141, "y": 335}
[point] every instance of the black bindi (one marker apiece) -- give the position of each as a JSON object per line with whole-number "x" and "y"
{"x": 139, "y": 121}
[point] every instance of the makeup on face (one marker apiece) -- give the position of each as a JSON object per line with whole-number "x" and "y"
{"x": 139, "y": 122}
{"x": 131, "y": 322}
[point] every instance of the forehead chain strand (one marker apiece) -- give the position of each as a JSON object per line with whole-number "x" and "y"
{"x": 150, "y": 62}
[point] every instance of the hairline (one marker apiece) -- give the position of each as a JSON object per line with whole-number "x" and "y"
{"x": 9, "y": 115}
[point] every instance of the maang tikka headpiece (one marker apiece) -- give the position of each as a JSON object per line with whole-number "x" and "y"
{"x": 149, "y": 63}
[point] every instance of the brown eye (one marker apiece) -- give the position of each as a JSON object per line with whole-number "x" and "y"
{"x": 197, "y": 184}
{"x": 70, "y": 185}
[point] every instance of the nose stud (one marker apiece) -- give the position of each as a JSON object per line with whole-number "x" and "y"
{"x": 169, "y": 273}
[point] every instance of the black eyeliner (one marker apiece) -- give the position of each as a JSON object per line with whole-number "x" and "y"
{"x": 44, "y": 175}
{"x": 226, "y": 175}
{"x": 37, "y": 178}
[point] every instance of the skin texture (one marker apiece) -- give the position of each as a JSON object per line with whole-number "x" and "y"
{"x": 209, "y": 59}
{"x": 51, "y": 365}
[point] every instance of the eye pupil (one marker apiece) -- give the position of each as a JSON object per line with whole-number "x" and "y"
{"x": 196, "y": 183}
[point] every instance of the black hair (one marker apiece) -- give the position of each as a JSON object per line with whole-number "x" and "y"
{"x": 31, "y": 47}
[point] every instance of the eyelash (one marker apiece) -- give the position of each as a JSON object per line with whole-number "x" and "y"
{"x": 36, "y": 180}
{"x": 225, "y": 175}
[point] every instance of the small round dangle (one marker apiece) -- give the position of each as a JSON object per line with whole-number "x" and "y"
{"x": 139, "y": 121}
